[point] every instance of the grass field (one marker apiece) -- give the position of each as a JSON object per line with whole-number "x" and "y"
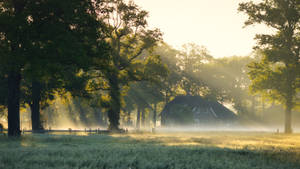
{"x": 207, "y": 150}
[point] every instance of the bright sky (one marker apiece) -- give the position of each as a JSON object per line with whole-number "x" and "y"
{"x": 215, "y": 24}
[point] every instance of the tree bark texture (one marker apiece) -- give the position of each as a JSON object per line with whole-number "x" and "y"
{"x": 115, "y": 105}
{"x": 35, "y": 106}
{"x": 14, "y": 79}
{"x": 288, "y": 117}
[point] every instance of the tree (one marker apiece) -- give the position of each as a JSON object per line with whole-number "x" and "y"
{"x": 227, "y": 81}
{"x": 40, "y": 93}
{"x": 12, "y": 36}
{"x": 278, "y": 72}
{"x": 3, "y": 98}
{"x": 170, "y": 84}
{"x": 191, "y": 61}
{"x": 143, "y": 95}
{"x": 75, "y": 24}
{"x": 128, "y": 38}
{"x": 43, "y": 37}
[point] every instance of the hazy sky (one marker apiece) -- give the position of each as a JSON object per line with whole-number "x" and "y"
{"x": 215, "y": 24}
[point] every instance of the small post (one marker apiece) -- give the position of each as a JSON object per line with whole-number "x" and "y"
{"x": 70, "y": 130}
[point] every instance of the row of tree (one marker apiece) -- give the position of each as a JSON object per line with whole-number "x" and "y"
{"x": 100, "y": 56}
{"x": 274, "y": 72}
{"x": 224, "y": 80}
{"x": 80, "y": 47}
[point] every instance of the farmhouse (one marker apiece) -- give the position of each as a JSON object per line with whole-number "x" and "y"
{"x": 195, "y": 110}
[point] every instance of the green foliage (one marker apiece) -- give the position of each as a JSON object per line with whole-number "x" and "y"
{"x": 279, "y": 62}
{"x": 105, "y": 56}
{"x": 48, "y": 43}
{"x": 228, "y": 81}
{"x": 277, "y": 74}
{"x": 191, "y": 61}
{"x": 170, "y": 84}
{"x": 195, "y": 72}
{"x": 128, "y": 36}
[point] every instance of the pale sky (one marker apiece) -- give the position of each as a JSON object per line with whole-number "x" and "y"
{"x": 215, "y": 24}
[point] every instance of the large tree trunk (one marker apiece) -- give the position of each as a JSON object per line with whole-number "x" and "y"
{"x": 288, "y": 116}
{"x": 35, "y": 106}
{"x": 288, "y": 121}
{"x": 154, "y": 115}
{"x": 115, "y": 104}
{"x": 138, "y": 118}
{"x": 163, "y": 115}
{"x": 289, "y": 103}
{"x": 14, "y": 79}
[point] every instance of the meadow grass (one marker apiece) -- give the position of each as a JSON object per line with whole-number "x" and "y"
{"x": 207, "y": 150}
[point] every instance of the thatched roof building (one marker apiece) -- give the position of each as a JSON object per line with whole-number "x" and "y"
{"x": 194, "y": 110}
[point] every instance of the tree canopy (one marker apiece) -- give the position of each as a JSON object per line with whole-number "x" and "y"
{"x": 99, "y": 63}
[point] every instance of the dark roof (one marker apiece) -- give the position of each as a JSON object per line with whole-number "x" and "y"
{"x": 218, "y": 110}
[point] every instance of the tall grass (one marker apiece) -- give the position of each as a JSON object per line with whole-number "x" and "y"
{"x": 208, "y": 150}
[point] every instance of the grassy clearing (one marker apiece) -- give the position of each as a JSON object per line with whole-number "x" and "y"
{"x": 207, "y": 150}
